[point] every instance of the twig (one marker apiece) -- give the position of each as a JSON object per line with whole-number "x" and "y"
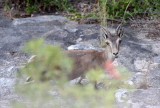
{"x": 126, "y": 8}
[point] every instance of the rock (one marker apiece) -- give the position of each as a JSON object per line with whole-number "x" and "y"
{"x": 39, "y": 20}
{"x": 141, "y": 65}
{"x": 121, "y": 95}
{"x": 71, "y": 27}
{"x": 81, "y": 47}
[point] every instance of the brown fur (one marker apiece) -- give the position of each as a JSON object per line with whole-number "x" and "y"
{"x": 85, "y": 60}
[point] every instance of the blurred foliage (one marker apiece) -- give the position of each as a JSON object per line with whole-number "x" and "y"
{"x": 117, "y": 8}
{"x": 50, "y": 62}
{"x": 122, "y": 9}
{"x": 49, "y": 87}
{"x": 6, "y": 6}
{"x": 37, "y": 5}
{"x": 31, "y": 6}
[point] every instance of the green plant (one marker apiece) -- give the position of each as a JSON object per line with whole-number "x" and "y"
{"x": 32, "y": 6}
{"x": 6, "y": 6}
{"x": 49, "y": 87}
{"x": 123, "y": 9}
{"x": 117, "y": 9}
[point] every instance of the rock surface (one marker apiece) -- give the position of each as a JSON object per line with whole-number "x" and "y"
{"x": 140, "y": 56}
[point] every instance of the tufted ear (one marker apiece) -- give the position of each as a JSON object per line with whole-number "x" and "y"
{"x": 106, "y": 32}
{"x": 119, "y": 30}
